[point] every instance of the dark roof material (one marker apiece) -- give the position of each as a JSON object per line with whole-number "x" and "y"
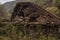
{"x": 31, "y": 10}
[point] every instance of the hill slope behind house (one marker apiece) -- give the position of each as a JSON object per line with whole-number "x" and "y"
{"x": 9, "y": 6}
{"x": 3, "y": 12}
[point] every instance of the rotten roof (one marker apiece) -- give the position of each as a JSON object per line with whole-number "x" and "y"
{"x": 45, "y": 16}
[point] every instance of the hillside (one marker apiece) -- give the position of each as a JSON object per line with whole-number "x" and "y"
{"x": 9, "y": 6}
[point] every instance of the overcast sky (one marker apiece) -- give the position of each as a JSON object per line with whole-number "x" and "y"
{"x": 4, "y": 1}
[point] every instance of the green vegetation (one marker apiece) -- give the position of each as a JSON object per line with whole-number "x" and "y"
{"x": 14, "y": 33}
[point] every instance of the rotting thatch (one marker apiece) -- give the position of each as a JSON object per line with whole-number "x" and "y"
{"x": 33, "y": 13}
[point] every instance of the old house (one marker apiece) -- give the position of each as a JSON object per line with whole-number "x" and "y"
{"x": 33, "y": 14}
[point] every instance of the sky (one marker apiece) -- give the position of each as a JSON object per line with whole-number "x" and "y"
{"x": 4, "y": 1}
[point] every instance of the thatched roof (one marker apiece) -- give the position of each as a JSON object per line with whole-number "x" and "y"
{"x": 32, "y": 10}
